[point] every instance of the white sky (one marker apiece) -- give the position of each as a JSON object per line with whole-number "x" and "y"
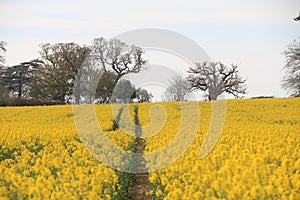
{"x": 252, "y": 34}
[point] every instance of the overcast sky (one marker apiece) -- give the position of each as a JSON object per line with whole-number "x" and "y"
{"x": 252, "y": 34}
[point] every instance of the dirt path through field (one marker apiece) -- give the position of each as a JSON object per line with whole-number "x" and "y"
{"x": 141, "y": 187}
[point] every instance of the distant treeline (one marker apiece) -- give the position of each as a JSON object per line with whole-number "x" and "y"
{"x": 67, "y": 73}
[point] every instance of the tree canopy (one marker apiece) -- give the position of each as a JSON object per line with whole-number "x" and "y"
{"x": 54, "y": 79}
{"x": 177, "y": 90}
{"x": 216, "y": 78}
{"x": 105, "y": 86}
{"x": 117, "y": 56}
{"x": 143, "y": 95}
{"x": 18, "y": 79}
{"x": 291, "y": 80}
{"x": 123, "y": 92}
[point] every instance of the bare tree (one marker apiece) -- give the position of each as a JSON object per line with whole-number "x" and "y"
{"x": 291, "y": 80}
{"x": 297, "y": 18}
{"x": 116, "y": 56}
{"x": 177, "y": 89}
{"x": 216, "y": 78}
{"x": 3, "y": 91}
{"x": 87, "y": 81}
{"x": 2, "y": 50}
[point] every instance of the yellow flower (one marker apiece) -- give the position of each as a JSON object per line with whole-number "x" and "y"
{"x": 257, "y": 155}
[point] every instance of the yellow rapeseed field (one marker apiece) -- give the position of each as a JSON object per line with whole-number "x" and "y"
{"x": 42, "y": 156}
{"x": 256, "y": 157}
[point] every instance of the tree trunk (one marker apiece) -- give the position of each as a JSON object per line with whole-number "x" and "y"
{"x": 77, "y": 98}
{"x": 212, "y": 97}
{"x": 20, "y": 89}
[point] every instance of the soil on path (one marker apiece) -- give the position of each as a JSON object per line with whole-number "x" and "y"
{"x": 141, "y": 188}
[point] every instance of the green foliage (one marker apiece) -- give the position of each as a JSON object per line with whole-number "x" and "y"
{"x": 106, "y": 86}
{"x": 123, "y": 92}
{"x": 18, "y": 79}
{"x": 143, "y": 95}
{"x": 58, "y": 77}
{"x": 54, "y": 80}
{"x": 6, "y": 101}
